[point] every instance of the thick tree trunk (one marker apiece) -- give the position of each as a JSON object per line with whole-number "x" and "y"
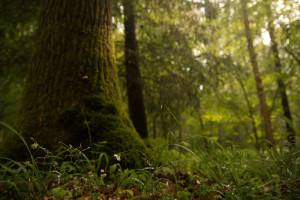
{"x": 133, "y": 75}
{"x": 261, "y": 94}
{"x": 281, "y": 85}
{"x": 73, "y": 79}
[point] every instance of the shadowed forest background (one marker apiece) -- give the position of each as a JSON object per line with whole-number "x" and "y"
{"x": 204, "y": 74}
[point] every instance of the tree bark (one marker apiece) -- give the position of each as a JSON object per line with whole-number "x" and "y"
{"x": 281, "y": 85}
{"x": 133, "y": 75}
{"x": 72, "y": 87}
{"x": 261, "y": 94}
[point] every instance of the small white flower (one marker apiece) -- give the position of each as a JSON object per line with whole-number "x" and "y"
{"x": 102, "y": 170}
{"x": 34, "y": 145}
{"x": 118, "y": 157}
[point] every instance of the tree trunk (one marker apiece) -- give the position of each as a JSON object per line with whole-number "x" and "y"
{"x": 292, "y": 54}
{"x": 72, "y": 87}
{"x": 261, "y": 94}
{"x": 251, "y": 115}
{"x": 164, "y": 126}
{"x": 154, "y": 128}
{"x": 133, "y": 75}
{"x": 203, "y": 132}
{"x": 281, "y": 85}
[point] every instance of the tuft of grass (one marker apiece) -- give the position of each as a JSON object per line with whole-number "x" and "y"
{"x": 33, "y": 181}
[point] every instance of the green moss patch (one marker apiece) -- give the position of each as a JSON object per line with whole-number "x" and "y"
{"x": 105, "y": 124}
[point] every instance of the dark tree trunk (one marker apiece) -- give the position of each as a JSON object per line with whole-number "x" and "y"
{"x": 261, "y": 94}
{"x": 133, "y": 75}
{"x": 281, "y": 85}
{"x": 154, "y": 128}
{"x": 73, "y": 79}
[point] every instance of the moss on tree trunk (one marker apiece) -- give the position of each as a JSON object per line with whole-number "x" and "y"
{"x": 73, "y": 78}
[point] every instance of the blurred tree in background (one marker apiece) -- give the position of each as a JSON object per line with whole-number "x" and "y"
{"x": 133, "y": 75}
{"x": 18, "y": 24}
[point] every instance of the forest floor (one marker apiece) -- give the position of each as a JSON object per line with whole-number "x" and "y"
{"x": 113, "y": 192}
{"x": 181, "y": 172}
{"x": 184, "y": 189}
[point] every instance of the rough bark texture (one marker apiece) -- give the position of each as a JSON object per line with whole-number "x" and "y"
{"x": 261, "y": 94}
{"x": 133, "y": 75}
{"x": 281, "y": 85}
{"x": 73, "y": 79}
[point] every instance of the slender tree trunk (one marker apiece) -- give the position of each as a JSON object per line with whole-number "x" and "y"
{"x": 72, "y": 81}
{"x": 281, "y": 85}
{"x": 293, "y": 55}
{"x": 219, "y": 124}
{"x": 154, "y": 128}
{"x": 203, "y": 131}
{"x": 164, "y": 126}
{"x": 133, "y": 75}
{"x": 251, "y": 115}
{"x": 261, "y": 94}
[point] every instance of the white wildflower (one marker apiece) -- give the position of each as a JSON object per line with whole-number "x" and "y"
{"x": 103, "y": 176}
{"x": 34, "y": 145}
{"x": 118, "y": 157}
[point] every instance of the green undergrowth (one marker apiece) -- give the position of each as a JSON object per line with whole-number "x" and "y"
{"x": 176, "y": 171}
